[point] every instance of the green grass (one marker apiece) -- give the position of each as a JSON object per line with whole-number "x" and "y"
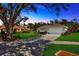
{"x": 50, "y": 50}
{"x": 73, "y": 37}
{"x": 26, "y": 36}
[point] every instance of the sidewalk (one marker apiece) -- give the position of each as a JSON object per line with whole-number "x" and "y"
{"x": 66, "y": 42}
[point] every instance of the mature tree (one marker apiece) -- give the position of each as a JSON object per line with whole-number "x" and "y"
{"x": 51, "y": 22}
{"x": 10, "y": 12}
{"x": 56, "y": 21}
{"x": 31, "y": 26}
{"x": 64, "y": 22}
{"x": 36, "y": 25}
{"x": 74, "y": 25}
{"x": 8, "y": 15}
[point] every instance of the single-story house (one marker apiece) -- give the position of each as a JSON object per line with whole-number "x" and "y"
{"x": 53, "y": 29}
{"x": 16, "y": 28}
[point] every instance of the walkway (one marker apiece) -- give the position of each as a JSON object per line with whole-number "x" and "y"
{"x": 66, "y": 42}
{"x": 53, "y": 37}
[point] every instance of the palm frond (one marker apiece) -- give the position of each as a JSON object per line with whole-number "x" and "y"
{"x": 33, "y": 8}
{"x": 65, "y": 6}
{"x": 46, "y": 6}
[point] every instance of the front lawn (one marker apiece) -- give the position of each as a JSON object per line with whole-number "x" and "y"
{"x": 26, "y": 36}
{"x": 72, "y": 37}
{"x": 50, "y": 50}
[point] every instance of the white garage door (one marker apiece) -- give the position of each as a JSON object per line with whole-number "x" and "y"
{"x": 55, "y": 30}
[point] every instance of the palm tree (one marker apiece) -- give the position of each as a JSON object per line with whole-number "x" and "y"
{"x": 10, "y": 12}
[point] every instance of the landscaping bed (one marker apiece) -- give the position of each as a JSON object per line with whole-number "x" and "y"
{"x": 50, "y": 50}
{"x": 71, "y": 37}
{"x": 23, "y": 48}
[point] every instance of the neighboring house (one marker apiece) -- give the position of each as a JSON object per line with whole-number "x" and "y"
{"x": 64, "y": 53}
{"x": 16, "y": 28}
{"x": 2, "y": 27}
{"x": 21, "y": 28}
{"x": 53, "y": 29}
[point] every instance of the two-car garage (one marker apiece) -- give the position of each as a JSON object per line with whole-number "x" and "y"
{"x": 53, "y": 29}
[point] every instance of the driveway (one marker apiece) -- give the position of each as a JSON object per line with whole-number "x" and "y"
{"x": 51, "y": 37}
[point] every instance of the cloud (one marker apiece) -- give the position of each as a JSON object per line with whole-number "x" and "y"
{"x": 30, "y": 21}
{"x": 35, "y": 21}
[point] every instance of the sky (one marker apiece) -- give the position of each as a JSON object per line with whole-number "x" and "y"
{"x": 43, "y": 15}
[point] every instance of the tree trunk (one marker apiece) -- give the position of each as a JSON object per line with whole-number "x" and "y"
{"x": 9, "y": 33}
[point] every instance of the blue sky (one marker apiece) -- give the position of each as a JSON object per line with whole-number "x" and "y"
{"x": 43, "y": 15}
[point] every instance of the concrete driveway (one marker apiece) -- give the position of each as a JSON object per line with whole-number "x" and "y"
{"x": 51, "y": 37}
